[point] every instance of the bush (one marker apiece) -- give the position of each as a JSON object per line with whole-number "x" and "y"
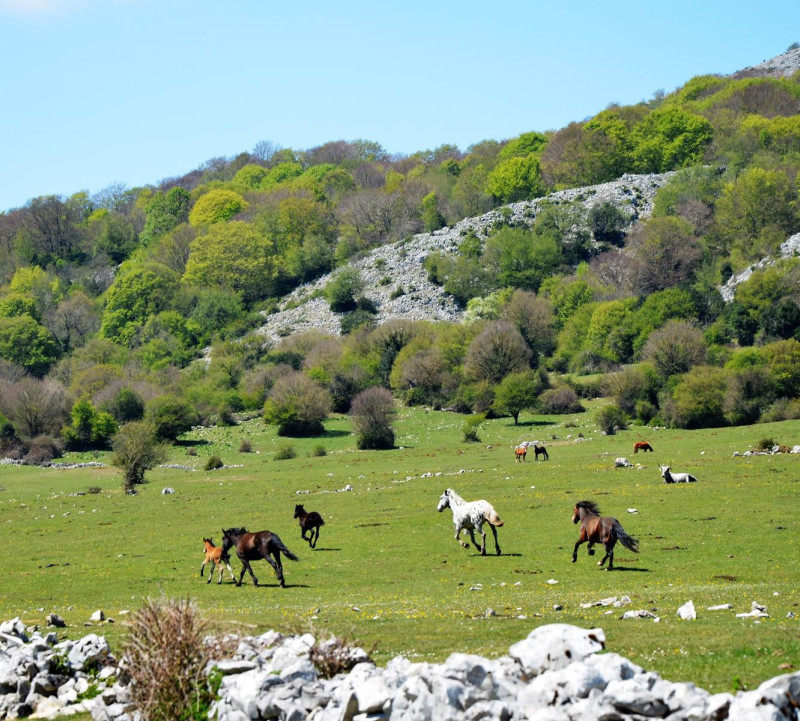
{"x": 471, "y": 427}
{"x": 41, "y": 451}
{"x": 765, "y": 444}
{"x": 645, "y": 411}
{"x": 611, "y": 418}
{"x": 342, "y": 290}
{"x": 782, "y": 410}
{"x": 298, "y": 405}
{"x": 318, "y": 451}
{"x": 285, "y": 452}
{"x": 356, "y": 319}
{"x": 93, "y": 490}
{"x": 245, "y": 446}
{"x": 335, "y": 656}
{"x": 560, "y": 400}
{"x": 136, "y": 450}
{"x": 170, "y": 416}
{"x": 166, "y": 659}
{"x": 213, "y": 463}
{"x": 372, "y": 413}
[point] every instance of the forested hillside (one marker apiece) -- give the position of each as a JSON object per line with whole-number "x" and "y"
{"x": 110, "y": 302}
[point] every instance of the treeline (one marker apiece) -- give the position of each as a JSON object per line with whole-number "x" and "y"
{"x": 119, "y": 292}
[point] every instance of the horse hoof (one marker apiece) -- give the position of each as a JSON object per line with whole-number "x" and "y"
{"x": 591, "y": 552}
{"x": 599, "y": 563}
{"x": 498, "y": 552}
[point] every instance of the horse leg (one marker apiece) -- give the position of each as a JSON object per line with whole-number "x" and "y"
{"x": 474, "y": 542}
{"x": 483, "y": 540}
{"x": 314, "y": 536}
{"x": 458, "y": 538}
{"x": 246, "y": 567}
{"x": 494, "y": 533}
{"x": 276, "y": 566}
{"x": 590, "y": 550}
{"x": 575, "y": 550}
{"x": 202, "y": 566}
{"x": 210, "y": 571}
{"x": 230, "y": 570}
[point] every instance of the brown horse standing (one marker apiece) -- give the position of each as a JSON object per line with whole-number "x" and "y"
{"x": 309, "y": 522}
{"x": 600, "y": 529}
{"x": 215, "y": 557}
{"x": 642, "y": 446}
{"x": 252, "y": 546}
{"x": 520, "y": 453}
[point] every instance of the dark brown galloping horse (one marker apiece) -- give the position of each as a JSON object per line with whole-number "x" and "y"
{"x": 252, "y": 546}
{"x": 310, "y": 522}
{"x": 600, "y": 529}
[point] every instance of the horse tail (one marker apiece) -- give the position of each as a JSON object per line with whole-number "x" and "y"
{"x": 631, "y": 544}
{"x": 282, "y": 548}
{"x": 493, "y": 518}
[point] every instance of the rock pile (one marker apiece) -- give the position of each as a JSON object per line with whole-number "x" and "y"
{"x": 555, "y": 674}
{"x": 397, "y": 282}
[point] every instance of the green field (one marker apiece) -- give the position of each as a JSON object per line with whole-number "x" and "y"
{"x": 387, "y": 568}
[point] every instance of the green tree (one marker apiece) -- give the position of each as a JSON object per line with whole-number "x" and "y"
{"x": 169, "y": 416}
{"x": 432, "y": 218}
{"x": 668, "y": 139}
{"x": 499, "y": 349}
{"x": 89, "y": 428}
{"x": 24, "y": 342}
{"x": 164, "y": 213}
{"x": 233, "y": 256}
{"x": 521, "y": 258}
{"x": 343, "y": 289}
{"x": 523, "y": 145}
{"x": 216, "y": 206}
{"x": 516, "y": 179}
{"x": 518, "y": 392}
{"x": 136, "y": 450}
{"x": 138, "y": 292}
{"x": 698, "y": 399}
{"x": 675, "y": 348}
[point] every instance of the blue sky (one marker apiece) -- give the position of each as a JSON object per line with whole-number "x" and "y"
{"x": 94, "y": 92}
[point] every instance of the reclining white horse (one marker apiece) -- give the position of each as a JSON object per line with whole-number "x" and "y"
{"x": 670, "y": 477}
{"x": 471, "y": 517}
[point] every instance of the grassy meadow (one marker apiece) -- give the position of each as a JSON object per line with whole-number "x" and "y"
{"x": 387, "y": 569}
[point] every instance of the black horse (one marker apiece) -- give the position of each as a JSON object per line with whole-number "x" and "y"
{"x": 310, "y": 522}
{"x": 252, "y": 546}
{"x": 540, "y": 451}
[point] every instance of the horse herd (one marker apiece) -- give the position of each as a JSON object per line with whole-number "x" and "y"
{"x": 468, "y": 516}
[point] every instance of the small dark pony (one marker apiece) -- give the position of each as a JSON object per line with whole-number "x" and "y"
{"x": 310, "y": 522}
{"x": 642, "y": 446}
{"x": 540, "y": 451}
{"x": 252, "y": 546}
{"x": 520, "y": 453}
{"x": 600, "y": 529}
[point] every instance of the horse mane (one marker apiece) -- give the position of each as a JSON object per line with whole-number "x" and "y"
{"x": 450, "y": 492}
{"x": 589, "y": 507}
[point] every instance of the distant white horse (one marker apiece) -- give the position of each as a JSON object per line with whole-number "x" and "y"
{"x": 676, "y": 477}
{"x": 471, "y": 517}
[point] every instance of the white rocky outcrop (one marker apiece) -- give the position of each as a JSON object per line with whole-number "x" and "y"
{"x": 399, "y": 265}
{"x": 558, "y": 673}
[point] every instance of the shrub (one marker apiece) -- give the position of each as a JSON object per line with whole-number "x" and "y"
{"x": 298, "y": 405}
{"x": 372, "y": 413}
{"x": 782, "y": 410}
{"x": 336, "y": 655}
{"x": 645, "y": 411}
{"x": 342, "y": 290}
{"x": 765, "y": 444}
{"x": 698, "y": 399}
{"x": 170, "y": 416}
{"x": 245, "y": 446}
{"x": 471, "y": 427}
{"x": 213, "y": 463}
{"x": 560, "y": 400}
{"x": 41, "y": 451}
{"x": 136, "y": 450}
{"x": 611, "y": 418}
{"x": 167, "y": 657}
{"x": 93, "y": 490}
{"x": 215, "y": 206}
{"x": 318, "y": 451}
{"x": 356, "y": 319}
{"x": 285, "y": 452}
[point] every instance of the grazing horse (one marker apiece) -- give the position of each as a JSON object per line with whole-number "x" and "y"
{"x": 252, "y": 546}
{"x": 520, "y": 453}
{"x": 309, "y": 522}
{"x": 471, "y": 516}
{"x": 642, "y": 446}
{"x": 215, "y": 557}
{"x": 670, "y": 477}
{"x": 540, "y": 451}
{"x": 600, "y": 529}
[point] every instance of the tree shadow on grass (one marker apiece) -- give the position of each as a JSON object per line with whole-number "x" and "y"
{"x": 532, "y": 424}
{"x": 190, "y": 442}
